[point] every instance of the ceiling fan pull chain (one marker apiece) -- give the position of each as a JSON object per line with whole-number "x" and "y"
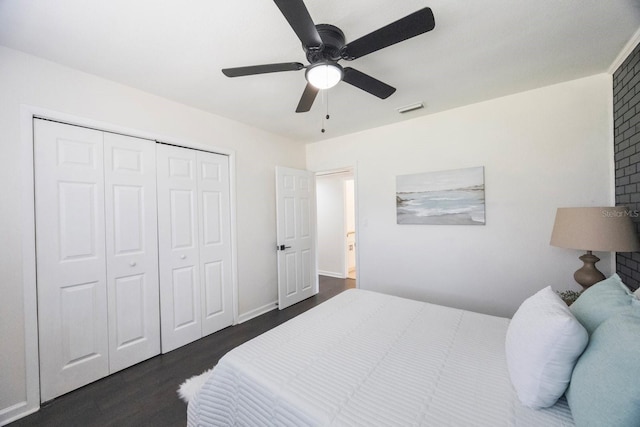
{"x": 325, "y": 101}
{"x": 327, "y": 106}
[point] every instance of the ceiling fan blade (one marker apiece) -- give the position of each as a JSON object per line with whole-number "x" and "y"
{"x": 262, "y": 69}
{"x": 297, "y": 15}
{"x": 308, "y": 96}
{"x": 410, "y": 26}
{"x": 367, "y": 83}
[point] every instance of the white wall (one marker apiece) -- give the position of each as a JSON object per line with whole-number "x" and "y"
{"x": 330, "y": 195}
{"x": 28, "y": 80}
{"x": 541, "y": 149}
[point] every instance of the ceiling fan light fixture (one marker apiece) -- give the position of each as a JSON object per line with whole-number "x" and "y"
{"x": 324, "y": 75}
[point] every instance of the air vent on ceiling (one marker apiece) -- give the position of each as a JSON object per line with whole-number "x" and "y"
{"x": 408, "y": 108}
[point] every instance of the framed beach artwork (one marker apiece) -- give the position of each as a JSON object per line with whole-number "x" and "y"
{"x": 451, "y": 197}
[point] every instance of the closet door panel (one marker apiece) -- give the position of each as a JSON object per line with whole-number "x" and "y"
{"x": 132, "y": 250}
{"x": 215, "y": 241}
{"x": 214, "y": 289}
{"x": 70, "y": 245}
{"x": 130, "y": 324}
{"x": 184, "y": 294}
{"x": 180, "y": 294}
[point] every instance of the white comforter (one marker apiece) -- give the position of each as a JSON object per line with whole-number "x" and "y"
{"x": 368, "y": 359}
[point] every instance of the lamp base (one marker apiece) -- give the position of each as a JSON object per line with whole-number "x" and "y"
{"x": 588, "y": 275}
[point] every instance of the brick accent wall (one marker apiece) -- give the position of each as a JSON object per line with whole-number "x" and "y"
{"x": 626, "y": 116}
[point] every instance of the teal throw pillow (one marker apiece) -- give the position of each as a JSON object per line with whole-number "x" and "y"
{"x": 601, "y": 301}
{"x": 605, "y": 385}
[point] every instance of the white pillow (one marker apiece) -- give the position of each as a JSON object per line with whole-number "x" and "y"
{"x": 544, "y": 341}
{"x": 637, "y": 293}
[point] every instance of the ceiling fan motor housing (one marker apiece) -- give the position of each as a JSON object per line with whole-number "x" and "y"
{"x": 333, "y": 41}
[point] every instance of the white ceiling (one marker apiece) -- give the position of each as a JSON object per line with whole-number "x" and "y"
{"x": 175, "y": 48}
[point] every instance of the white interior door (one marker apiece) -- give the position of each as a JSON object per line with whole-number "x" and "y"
{"x": 215, "y": 241}
{"x": 71, "y": 269}
{"x": 132, "y": 250}
{"x": 296, "y": 222}
{"x": 180, "y": 303}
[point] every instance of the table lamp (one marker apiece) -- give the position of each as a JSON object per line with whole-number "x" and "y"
{"x": 605, "y": 229}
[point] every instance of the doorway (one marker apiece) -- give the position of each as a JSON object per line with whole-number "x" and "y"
{"x": 336, "y": 218}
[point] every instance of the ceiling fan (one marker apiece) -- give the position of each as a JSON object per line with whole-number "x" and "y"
{"x": 324, "y": 46}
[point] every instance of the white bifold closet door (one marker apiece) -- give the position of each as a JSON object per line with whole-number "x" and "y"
{"x": 132, "y": 250}
{"x": 195, "y": 244}
{"x": 96, "y": 243}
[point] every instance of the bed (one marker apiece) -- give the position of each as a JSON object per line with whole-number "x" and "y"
{"x": 369, "y": 359}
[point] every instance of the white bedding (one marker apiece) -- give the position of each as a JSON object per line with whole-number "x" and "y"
{"x": 368, "y": 359}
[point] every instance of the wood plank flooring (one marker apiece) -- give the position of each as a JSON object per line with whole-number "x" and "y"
{"x": 145, "y": 394}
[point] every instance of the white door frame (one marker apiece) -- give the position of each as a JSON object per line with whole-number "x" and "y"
{"x": 355, "y": 247}
{"x": 27, "y": 113}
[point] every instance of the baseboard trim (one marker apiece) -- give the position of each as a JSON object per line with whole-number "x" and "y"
{"x": 331, "y": 274}
{"x": 15, "y": 412}
{"x": 257, "y": 312}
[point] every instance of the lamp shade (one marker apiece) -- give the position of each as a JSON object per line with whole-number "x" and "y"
{"x": 605, "y": 229}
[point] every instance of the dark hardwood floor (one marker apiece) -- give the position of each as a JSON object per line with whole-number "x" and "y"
{"x": 145, "y": 394}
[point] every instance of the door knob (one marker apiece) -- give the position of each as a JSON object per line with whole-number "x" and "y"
{"x": 132, "y": 263}
{"x": 183, "y": 256}
{"x": 283, "y": 247}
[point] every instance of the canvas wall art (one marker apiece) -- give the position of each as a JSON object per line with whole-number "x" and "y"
{"x": 451, "y": 197}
